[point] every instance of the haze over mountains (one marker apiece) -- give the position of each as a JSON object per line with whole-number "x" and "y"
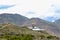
{"x": 19, "y": 20}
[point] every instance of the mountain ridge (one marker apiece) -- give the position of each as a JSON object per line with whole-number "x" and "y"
{"x": 19, "y": 20}
{"x": 12, "y": 18}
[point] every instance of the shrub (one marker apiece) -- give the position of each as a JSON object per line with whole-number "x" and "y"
{"x": 50, "y": 37}
{"x": 27, "y": 37}
{"x": 42, "y": 36}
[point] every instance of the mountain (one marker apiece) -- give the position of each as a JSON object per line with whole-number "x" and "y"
{"x": 12, "y": 18}
{"x": 13, "y": 32}
{"x": 57, "y": 22}
{"x": 49, "y": 27}
{"x": 20, "y": 20}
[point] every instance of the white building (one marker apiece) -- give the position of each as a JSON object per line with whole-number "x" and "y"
{"x": 35, "y": 28}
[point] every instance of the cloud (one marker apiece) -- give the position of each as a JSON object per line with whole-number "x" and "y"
{"x": 33, "y": 8}
{"x": 39, "y": 7}
{"x": 5, "y": 6}
{"x": 30, "y": 12}
{"x": 57, "y": 11}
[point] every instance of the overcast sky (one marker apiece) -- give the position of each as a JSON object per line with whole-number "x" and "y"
{"x": 44, "y": 9}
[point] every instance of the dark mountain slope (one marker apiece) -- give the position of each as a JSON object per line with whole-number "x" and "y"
{"x": 12, "y": 18}
{"x": 57, "y": 23}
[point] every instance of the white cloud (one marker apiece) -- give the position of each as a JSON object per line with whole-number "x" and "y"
{"x": 41, "y": 8}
